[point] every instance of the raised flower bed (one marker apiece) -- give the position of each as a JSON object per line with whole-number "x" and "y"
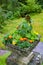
{"x": 22, "y": 41}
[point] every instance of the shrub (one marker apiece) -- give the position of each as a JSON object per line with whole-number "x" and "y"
{"x": 16, "y": 9}
{"x": 4, "y": 16}
{"x": 30, "y": 9}
{"x": 17, "y": 14}
{"x": 9, "y": 15}
{"x": 1, "y": 19}
{"x": 37, "y": 8}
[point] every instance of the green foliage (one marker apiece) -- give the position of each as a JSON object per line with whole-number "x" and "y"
{"x": 23, "y": 1}
{"x": 40, "y": 2}
{"x": 24, "y": 28}
{"x": 3, "y": 58}
{"x": 24, "y": 44}
{"x": 17, "y": 14}
{"x": 17, "y": 8}
{"x": 4, "y": 16}
{"x": 9, "y": 15}
{"x": 1, "y": 19}
{"x": 30, "y": 8}
{"x": 6, "y": 40}
{"x": 34, "y": 8}
{"x": 22, "y": 37}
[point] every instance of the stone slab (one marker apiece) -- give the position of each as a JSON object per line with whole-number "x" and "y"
{"x": 39, "y": 48}
{"x": 2, "y": 52}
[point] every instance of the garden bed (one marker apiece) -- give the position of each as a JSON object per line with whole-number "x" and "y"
{"x": 20, "y": 51}
{"x": 20, "y": 56}
{"x": 21, "y": 43}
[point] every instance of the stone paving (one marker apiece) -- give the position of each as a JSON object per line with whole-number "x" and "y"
{"x": 2, "y": 52}
{"x": 37, "y": 49}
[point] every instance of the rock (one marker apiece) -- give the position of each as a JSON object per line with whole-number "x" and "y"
{"x": 19, "y": 60}
{"x": 12, "y": 59}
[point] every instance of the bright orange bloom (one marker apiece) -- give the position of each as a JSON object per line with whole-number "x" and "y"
{"x": 25, "y": 39}
{"x": 10, "y": 36}
{"x": 21, "y": 39}
{"x": 30, "y": 41}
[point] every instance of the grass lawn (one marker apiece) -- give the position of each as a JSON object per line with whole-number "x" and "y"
{"x": 3, "y": 58}
{"x": 37, "y": 24}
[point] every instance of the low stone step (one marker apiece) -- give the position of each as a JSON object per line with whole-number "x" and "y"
{"x": 2, "y": 52}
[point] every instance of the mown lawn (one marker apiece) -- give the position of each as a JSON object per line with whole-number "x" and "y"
{"x": 37, "y": 24}
{"x": 3, "y": 58}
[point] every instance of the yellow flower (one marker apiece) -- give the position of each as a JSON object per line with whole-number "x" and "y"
{"x": 36, "y": 32}
{"x": 13, "y": 42}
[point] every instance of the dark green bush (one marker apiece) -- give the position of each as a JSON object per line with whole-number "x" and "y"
{"x": 4, "y": 16}
{"x": 23, "y": 1}
{"x": 16, "y": 8}
{"x": 40, "y": 2}
{"x": 36, "y": 8}
{"x": 17, "y": 14}
{"x": 30, "y": 9}
{"x": 9, "y": 15}
{"x": 1, "y": 19}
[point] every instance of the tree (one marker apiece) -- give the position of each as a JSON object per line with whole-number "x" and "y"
{"x": 23, "y": 1}
{"x": 40, "y": 2}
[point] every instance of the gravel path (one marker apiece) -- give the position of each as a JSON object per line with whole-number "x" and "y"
{"x": 2, "y": 52}
{"x": 39, "y": 48}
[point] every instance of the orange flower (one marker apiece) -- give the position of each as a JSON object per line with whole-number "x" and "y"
{"x": 25, "y": 39}
{"x": 10, "y": 36}
{"x": 31, "y": 41}
{"x": 21, "y": 39}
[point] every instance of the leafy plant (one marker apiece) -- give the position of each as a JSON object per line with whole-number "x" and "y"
{"x": 24, "y": 44}
{"x": 7, "y": 39}
{"x": 23, "y": 37}
{"x": 2, "y": 23}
